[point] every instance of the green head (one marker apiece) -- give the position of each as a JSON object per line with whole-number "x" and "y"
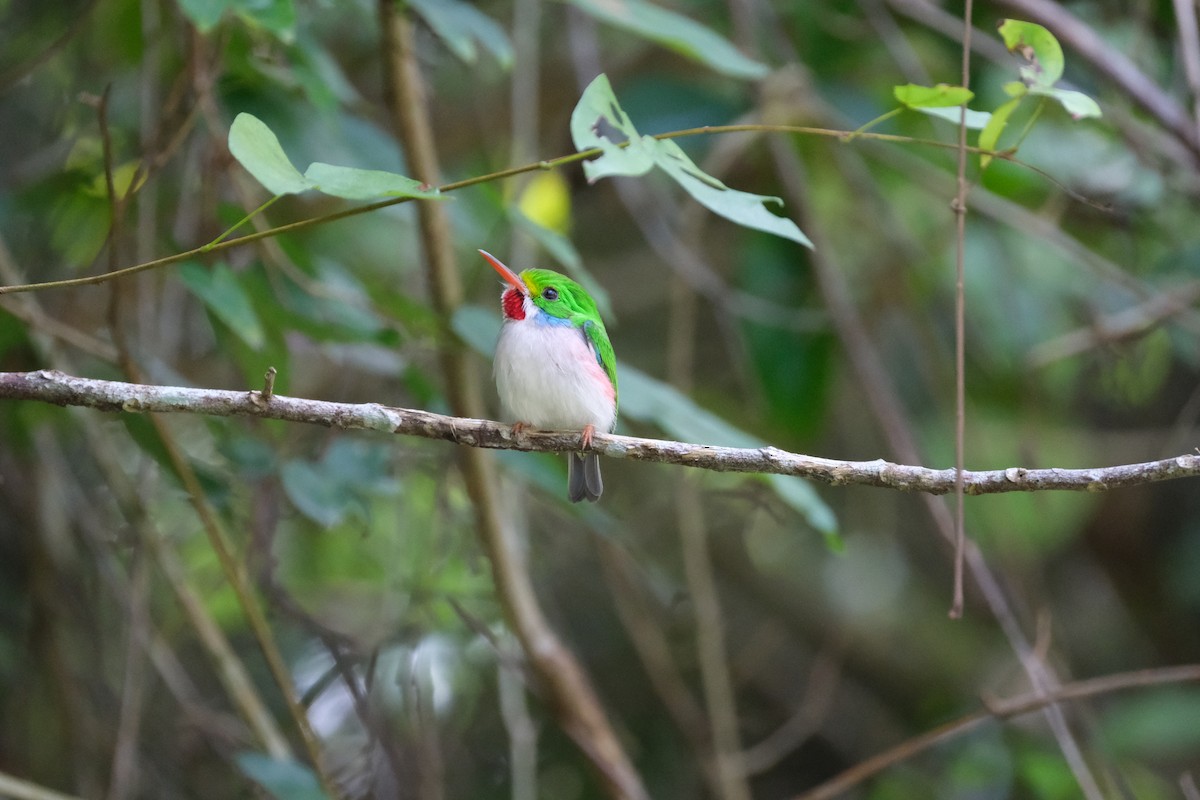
{"x": 553, "y": 293}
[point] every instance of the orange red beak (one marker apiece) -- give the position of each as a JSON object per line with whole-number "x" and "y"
{"x": 505, "y": 272}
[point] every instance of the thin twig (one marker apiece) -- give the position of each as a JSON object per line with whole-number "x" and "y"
{"x": 292, "y": 227}
{"x": 814, "y": 708}
{"x": 960, "y": 381}
{"x": 1004, "y": 710}
{"x": 261, "y": 558}
{"x": 79, "y": 20}
{"x": 710, "y": 643}
{"x": 1122, "y": 326}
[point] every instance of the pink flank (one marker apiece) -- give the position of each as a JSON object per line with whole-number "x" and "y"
{"x": 548, "y": 376}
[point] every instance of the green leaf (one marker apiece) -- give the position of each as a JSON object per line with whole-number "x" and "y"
{"x": 1077, "y": 104}
{"x": 321, "y": 500}
{"x": 204, "y": 14}
{"x": 341, "y": 483}
{"x": 1015, "y": 89}
{"x": 976, "y": 120}
{"x": 276, "y": 16}
{"x": 250, "y": 456}
{"x": 649, "y": 400}
{"x": 351, "y": 183}
{"x": 284, "y": 780}
{"x": 361, "y": 466}
{"x": 224, "y": 296}
{"x": 1038, "y": 47}
{"x": 122, "y": 177}
{"x": 748, "y": 210}
{"x": 942, "y": 101}
{"x": 460, "y": 25}
{"x": 257, "y": 148}
{"x": 990, "y": 134}
{"x": 1048, "y": 775}
{"x": 1045, "y": 56}
{"x": 943, "y": 95}
{"x": 80, "y": 226}
{"x": 598, "y": 115}
{"x": 804, "y": 500}
{"x": 676, "y": 32}
{"x": 1159, "y": 724}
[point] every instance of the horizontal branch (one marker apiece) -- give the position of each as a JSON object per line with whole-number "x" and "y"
{"x": 50, "y": 386}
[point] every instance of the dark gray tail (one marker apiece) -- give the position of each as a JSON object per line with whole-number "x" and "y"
{"x": 583, "y": 477}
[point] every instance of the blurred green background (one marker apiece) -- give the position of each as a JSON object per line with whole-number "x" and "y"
{"x": 1082, "y": 350}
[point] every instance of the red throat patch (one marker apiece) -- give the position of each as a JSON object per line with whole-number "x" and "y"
{"x": 513, "y": 303}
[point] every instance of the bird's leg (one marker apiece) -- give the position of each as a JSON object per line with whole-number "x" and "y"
{"x": 519, "y": 428}
{"x": 588, "y": 430}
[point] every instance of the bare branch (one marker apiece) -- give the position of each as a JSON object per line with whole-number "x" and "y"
{"x": 1000, "y": 710}
{"x": 51, "y": 386}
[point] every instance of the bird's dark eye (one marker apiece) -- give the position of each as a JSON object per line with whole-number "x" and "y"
{"x": 550, "y": 293}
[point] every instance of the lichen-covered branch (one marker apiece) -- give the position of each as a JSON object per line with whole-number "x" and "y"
{"x": 50, "y": 386}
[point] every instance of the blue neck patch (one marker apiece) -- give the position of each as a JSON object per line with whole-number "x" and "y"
{"x": 546, "y": 319}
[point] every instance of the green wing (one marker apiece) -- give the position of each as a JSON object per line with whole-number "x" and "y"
{"x": 597, "y": 339}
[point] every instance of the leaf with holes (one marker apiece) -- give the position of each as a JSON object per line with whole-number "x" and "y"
{"x": 226, "y": 299}
{"x": 598, "y": 121}
{"x": 1038, "y": 47}
{"x": 461, "y": 27}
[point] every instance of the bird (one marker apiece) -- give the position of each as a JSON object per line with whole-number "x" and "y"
{"x": 554, "y": 365}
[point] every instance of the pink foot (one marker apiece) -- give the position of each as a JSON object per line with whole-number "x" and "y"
{"x": 519, "y": 428}
{"x": 588, "y": 430}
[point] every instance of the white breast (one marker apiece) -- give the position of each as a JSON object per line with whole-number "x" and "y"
{"x": 548, "y": 377}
